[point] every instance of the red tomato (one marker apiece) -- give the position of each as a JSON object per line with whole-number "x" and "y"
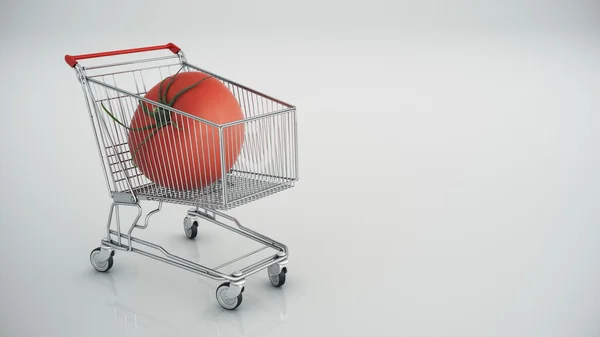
{"x": 184, "y": 154}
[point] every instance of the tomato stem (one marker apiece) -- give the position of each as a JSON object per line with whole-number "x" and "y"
{"x": 163, "y": 99}
{"x": 161, "y": 116}
{"x": 125, "y": 126}
{"x": 183, "y": 91}
{"x": 142, "y": 143}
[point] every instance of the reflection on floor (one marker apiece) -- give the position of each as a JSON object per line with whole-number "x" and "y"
{"x": 214, "y": 321}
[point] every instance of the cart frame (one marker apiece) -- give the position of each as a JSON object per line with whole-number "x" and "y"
{"x": 126, "y": 191}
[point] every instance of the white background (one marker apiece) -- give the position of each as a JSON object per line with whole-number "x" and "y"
{"x": 448, "y": 186}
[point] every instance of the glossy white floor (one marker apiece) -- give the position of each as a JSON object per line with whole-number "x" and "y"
{"x": 449, "y": 176}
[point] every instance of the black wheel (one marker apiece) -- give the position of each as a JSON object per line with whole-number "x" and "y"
{"x": 277, "y": 280}
{"x": 103, "y": 266}
{"x": 228, "y": 303}
{"x": 192, "y": 232}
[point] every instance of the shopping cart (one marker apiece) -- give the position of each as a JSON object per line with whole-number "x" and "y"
{"x": 267, "y": 161}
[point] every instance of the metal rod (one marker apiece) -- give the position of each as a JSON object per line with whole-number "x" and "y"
{"x": 81, "y": 75}
{"x": 129, "y": 71}
{"x": 223, "y": 171}
{"x": 296, "y": 146}
{"x": 133, "y": 224}
{"x": 239, "y": 258}
{"x": 260, "y": 236}
{"x": 238, "y": 85}
{"x": 131, "y": 62}
{"x": 260, "y": 263}
{"x": 118, "y": 219}
{"x": 151, "y": 213}
{"x": 258, "y": 117}
{"x": 110, "y": 213}
{"x": 241, "y": 232}
{"x": 266, "y": 264}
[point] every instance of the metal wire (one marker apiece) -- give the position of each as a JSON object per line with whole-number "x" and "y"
{"x": 191, "y": 161}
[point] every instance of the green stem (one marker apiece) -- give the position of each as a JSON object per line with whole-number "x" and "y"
{"x": 146, "y": 109}
{"x": 143, "y": 142}
{"x": 147, "y": 127}
{"x": 164, "y": 94}
{"x": 175, "y": 125}
{"x": 183, "y": 91}
{"x": 160, "y": 91}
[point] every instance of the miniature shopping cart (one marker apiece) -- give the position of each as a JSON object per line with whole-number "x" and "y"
{"x": 267, "y": 161}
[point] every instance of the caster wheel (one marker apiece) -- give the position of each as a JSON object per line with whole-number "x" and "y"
{"x": 228, "y": 303}
{"x": 190, "y": 227}
{"x": 277, "y": 280}
{"x": 101, "y": 266}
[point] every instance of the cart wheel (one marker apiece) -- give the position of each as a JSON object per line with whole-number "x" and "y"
{"x": 228, "y": 303}
{"x": 190, "y": 227}
{"x": 277, "y": 280}
{"x": 102, "y": 266}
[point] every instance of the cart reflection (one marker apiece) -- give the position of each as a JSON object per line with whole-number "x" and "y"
{"x": 209, "y": 319}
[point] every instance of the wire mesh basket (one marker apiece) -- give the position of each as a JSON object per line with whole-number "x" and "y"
{"x": 267, "y": 159}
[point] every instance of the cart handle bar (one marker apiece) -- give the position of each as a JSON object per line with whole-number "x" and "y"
{"x": 72, "y": 59}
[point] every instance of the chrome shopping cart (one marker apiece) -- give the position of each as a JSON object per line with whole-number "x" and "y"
{"x": 151, "y": 150}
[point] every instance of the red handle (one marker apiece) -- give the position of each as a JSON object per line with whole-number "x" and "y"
{"x": 72, "y": 60}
